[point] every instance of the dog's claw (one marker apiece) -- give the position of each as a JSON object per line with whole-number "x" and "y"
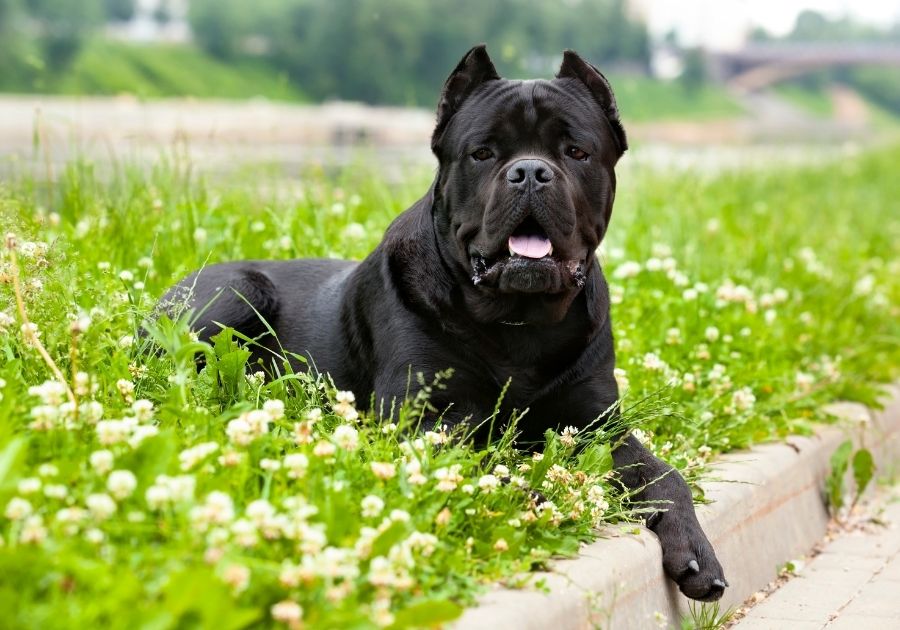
{"x": 693, "y": 566}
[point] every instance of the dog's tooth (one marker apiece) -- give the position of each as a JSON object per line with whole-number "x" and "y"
{"x": 550, "y": 253}
{"x": 511, "y": 252}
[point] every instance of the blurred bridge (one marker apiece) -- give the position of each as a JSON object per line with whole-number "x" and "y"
{"x": 761, "y": 64}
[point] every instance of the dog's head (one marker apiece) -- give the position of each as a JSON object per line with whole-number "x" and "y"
{"x": 525, "y": 185}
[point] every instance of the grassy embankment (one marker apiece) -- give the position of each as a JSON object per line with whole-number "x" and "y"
{"x": 741, "y": 304}
{"x": 155, "y": 71}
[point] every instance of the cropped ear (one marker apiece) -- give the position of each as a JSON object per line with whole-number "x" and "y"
{"x": 474, "y": 69}
{"x": 574, "y": 67}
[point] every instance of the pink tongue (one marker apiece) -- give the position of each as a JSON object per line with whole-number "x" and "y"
{"x": 530, "y": 246}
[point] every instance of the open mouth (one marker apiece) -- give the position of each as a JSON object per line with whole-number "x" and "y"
{"x": 530, "y": 266}
{"x": 530, "y": 241}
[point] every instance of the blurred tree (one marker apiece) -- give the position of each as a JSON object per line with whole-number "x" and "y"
{"x": 399, "y": 51}
{"x": 118, "y": 10}
{"x": 62, "y": 27}
{"x": 14, "y": 47}
{"x": 693, "y": 77}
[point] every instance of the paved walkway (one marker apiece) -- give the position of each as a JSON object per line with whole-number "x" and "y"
{"x": 853, "y": 584}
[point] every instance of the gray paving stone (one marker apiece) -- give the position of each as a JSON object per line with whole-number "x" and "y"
{"x": 877, "y": 599}
{"x": 814, "y": 598}
{"x": 862, "y": 622}
{"x": 891, "y": 571}
{"x": 842, "y": 562}
{"x": 761, "y": 623}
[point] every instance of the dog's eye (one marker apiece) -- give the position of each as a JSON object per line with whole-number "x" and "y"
{"x": 482, "y": 154}
{"x": 576, "y": 154}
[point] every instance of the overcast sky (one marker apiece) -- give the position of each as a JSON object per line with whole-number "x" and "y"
{"x": 722, "y": 23}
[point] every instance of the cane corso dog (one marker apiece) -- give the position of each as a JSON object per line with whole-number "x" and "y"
{"x": 492, "y": 273}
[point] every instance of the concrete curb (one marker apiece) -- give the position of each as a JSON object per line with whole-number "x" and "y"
{"x": 767, "y": 509}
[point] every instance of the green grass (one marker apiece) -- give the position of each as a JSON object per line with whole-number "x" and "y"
{"x": 643, "y": 98}
{"x": 742, "y": 302}
{"x": 156, "y": 71}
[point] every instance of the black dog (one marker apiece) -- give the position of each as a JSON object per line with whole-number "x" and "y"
{"x": 492, "y": 273}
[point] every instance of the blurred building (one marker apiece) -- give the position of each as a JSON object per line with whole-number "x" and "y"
{"x": 154, "y": 21}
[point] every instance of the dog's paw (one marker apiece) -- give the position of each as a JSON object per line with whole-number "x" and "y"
{"x": 690, "y": 561}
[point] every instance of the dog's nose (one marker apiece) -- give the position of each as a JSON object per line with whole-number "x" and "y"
{"x": 532, "y": 172}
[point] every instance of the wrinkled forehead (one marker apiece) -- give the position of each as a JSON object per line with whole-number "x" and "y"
{"x": 521, "y": 112}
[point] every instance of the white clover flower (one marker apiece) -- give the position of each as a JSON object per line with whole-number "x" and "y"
{"x": 30, "y": 332}
{"x": 628, "y": 269}
{"x": 29, "y": 485}
{"x": 270, "y": 465}
{"x": 126, "y": 276}
{"x": 296, "y": 465}
{"x": 237, "y": 576}
{"x": 239, "y": 432}
{"x": 383, "y": 470}
{"x": 414, "y": 476}
{"x": 689, "y": 295}
{"x": 141, "y": 433}
{"x": 345, "y": 397}
{"x": 371, "y": 506}
{"x": 190, "y": 457}
{"x": 501, "y": 545}
{"x": 346, "y": 411}
{"x": 91, "y": 412}
{"x": 488, "y": 483}
{"x": 258, "y": 421}
{"x": 157, "y": 496}
{"x": 33, "y": 530}
{"x": 245, "y": 533}
{"x": 324, "y": 449}
{"x": 111, "y": 432}
{"x": 287, "y": 612}
{"x": 435, "y": 437}
{"x": 641, "y": 436}
{"x": 743, "y": 399}
{"x": 381, "y": 572}
{"x": 56, "y": 491}
{"x": 346, "y": 437}
{"x": 50, "y": 392}
{"x": 711, "y": 334}
{"x": 621, "y": 377}
{"x": 125, "y": 341}
{"x": 121, "y": 483}
{"x": 400, "y": 516}
{"x": 567, "y": 437}
{"x": 126, "y": 389}
{"x": 673, "y": 336}
{"x": 275, "y": 409}
{"x": 770, "y": 315}
{"x": 653, "y": 362}
{"x": 143, "y": 410}
{"x": 259, "y": 511}
{"x": 102, "y": 461}
{"x": 448, "y": 478}
{"x": 503, "y": 471}
{"x": 18, "y": 509}
{"x": 101, "y": 506}
{"x": 354, "y": 231}
{"x": 48, "y": 470}
{"x": 804, "y": 381}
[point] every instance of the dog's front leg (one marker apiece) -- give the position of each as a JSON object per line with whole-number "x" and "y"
{"x": 688, "y": 557}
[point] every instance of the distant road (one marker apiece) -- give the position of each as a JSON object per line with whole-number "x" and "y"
{"x": 44, "y": 132}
